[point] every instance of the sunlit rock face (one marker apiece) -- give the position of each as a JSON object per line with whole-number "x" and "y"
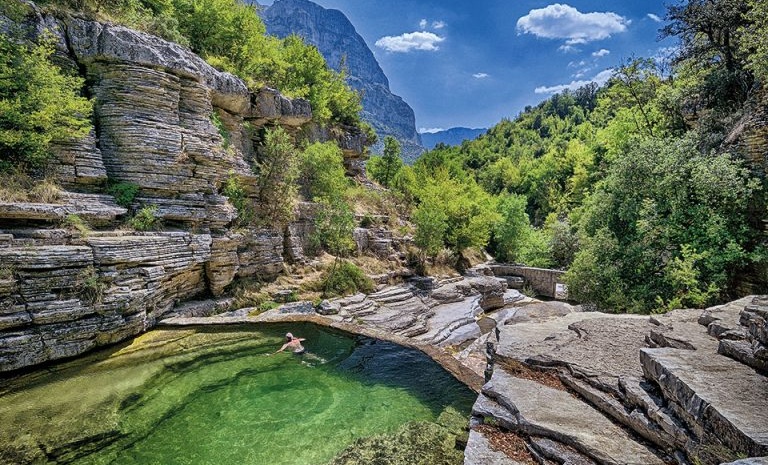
{"x": 176, "y": 128}
{"x": 336, "y": 38}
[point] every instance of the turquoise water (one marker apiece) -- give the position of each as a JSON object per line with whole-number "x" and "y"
{"x": 206, "y": 396}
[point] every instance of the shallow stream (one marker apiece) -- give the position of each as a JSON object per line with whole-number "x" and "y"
{"x": 215, "y": 396}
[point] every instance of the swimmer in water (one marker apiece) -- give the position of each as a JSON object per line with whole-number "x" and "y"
{"x": 293, "y": 343}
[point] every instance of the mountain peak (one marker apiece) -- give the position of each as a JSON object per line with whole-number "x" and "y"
{"x": 338, "y": 41}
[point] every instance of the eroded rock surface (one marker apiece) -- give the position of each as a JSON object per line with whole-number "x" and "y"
{"x": 73, "y": 274}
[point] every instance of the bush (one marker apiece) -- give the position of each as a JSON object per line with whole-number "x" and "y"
{"x": 90, "y": 286}
{"x": 77, "y": 223}
{"x": 345, "y": 278}
{"x": 38, "y": 104}
{"x": 234, "y": 191}
{"x": 123, "y": 192}
{"x": 223, "y": 131}
{"x": 321, "y": 171}
{"x": 277, "y": 169}
{"x": 145, "y": 219}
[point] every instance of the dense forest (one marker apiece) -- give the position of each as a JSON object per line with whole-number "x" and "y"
{"x": 631, "y": 186}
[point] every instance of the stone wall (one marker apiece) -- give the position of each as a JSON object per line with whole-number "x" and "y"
{"x": 64, "y": 291}
{"x": 547, "y": 283}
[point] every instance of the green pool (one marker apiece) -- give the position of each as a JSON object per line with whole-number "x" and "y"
{"x": 215, "y": 396}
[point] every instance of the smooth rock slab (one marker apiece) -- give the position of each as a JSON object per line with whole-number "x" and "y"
{"x": 595, "y": 345}
{"x": 728, "y": 399}
{"x": 750, "y": 461}
{"x": 554, "y": 414}
{"x": 480, "y": 452}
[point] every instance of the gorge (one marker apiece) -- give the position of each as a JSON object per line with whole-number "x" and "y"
{"x": 89, "y": 294}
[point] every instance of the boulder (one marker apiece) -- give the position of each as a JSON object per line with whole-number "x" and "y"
{"x": 702, "y": 387}
{"x": 557, "y": 415}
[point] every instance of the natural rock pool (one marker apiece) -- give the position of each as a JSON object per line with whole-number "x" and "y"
{"x": 215, "y": 396}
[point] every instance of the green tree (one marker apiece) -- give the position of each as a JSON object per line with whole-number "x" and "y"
{"x": 334, "y": 224}
{"x": 665, "y": 215}
{"x": 755, "y": 43}
{"x": 384, "y": 169}
{"x": 322, "y": 174}
{"x": 39, "y": 104}
{"x": 510, "y": 233}
{"x": 431, "y": 224}
{"x": 277, "y": 169}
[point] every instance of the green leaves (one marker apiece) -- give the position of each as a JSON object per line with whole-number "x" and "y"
{"x": 38, "y": 103}
{"x": 384, "y": 168}
{"x": 667, "y": 226}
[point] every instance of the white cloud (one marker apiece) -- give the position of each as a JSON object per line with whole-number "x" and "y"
{"x": 558, "y": 21}
{"x": 654, "y": 17}
{"x": 600, "y": 79}
{"x": 409, "y": 41}
{"x": 601, "y": 53}
{"x": 438, "y": 24}
{"x": 423, "y": 24}
{"x": 567, "y": 48}
{"x": 430, "y": 130}
{"x": 480, "y": 75}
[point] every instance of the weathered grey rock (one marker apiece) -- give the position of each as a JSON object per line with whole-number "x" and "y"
{"x": 223, "y": 264}
{"x": 694, "y": 381}
{"x": 491, "y": 291}
{"x": 94, "y": 209}
{"x": 750, "y": 461}
{"x": 558, "y": 452}
{"x": 270, "y": 106}
{"x": 554, "y": 414}
{"x": 46, "y": 257}
{"x": 297, "y": 307}
{"x": 479, "y": 451}
{"x": 680, "y": 329}
{"x": 594, "y": 346}
{"x": 260, "y": 253}
{"x": 328, "y": 308}
{"x": 193, "y": 210}
{"x": 78, "y": 162}
{"x": 91, "y": 41}
{"x": 453, "y": 324}
{"x": 336, "y": 38}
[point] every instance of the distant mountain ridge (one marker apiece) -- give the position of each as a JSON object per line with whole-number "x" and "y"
{"x": 452, "y": 136}
{"x": 338, "y": 41}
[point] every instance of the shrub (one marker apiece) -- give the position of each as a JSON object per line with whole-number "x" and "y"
{"x": 145, "y": 219}
{"x": 38, "y": 104}
{"x": 334, "y": 225}
{"x": 277, "y": 169}
{"x": 223, "y": 131}
{"x": 90, "y": 286}
{"x": 123, "y": 192}
{"x": 77, "y": 223}
{"x": 321, "y": 171}
{"x": 234, "y": 191}
{"x": 345, "y": 278}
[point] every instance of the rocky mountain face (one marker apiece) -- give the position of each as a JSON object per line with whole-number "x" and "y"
{"x": 453, "y": 136}
{"x": 338, "y": 41}
{"x": 63, "y": 291}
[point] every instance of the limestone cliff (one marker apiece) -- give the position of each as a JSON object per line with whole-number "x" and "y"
{"x": 336, "y": 38}
{"x": 63, "y": 292}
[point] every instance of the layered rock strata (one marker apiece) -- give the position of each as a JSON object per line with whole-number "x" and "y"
{"x": 660, "y": 379}
{"x": 73, "y": 274}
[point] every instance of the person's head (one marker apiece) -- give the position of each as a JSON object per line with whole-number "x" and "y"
{"x": 288, "y": 336}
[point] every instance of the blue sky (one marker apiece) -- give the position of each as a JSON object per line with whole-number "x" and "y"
{"x": 472, "y": 63}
